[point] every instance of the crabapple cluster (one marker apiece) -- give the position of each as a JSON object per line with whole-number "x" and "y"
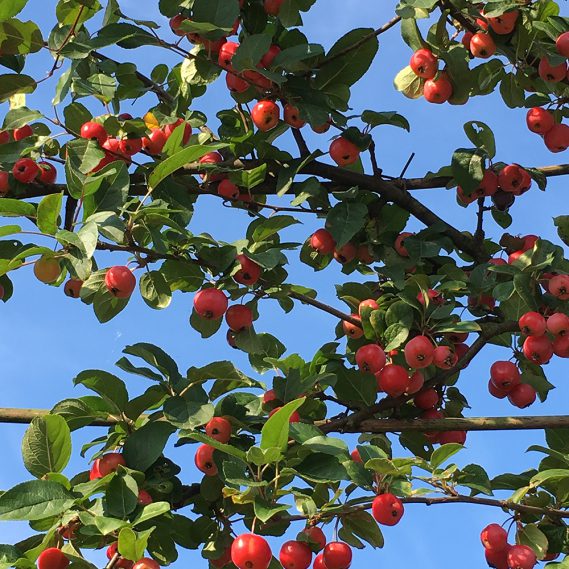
{"x": 511, "y": 180}
{"x": 502, "y": 555}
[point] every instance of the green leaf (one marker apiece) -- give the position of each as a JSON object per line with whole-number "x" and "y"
{"x": 12, "y": 84}
{"x": 443, "y": 453}
{"x": 8, "y": 556}
{"x": 143, "y": 447}
{"x": 562, "y": 224}
{"x": 16, "y": 208}
{"x": 347, "y": 69}
{"x": 275, "y": 432}
{"x": 121, "y": 496}
{"x": 531, "y": 535}
{"x": 46, "y": 446}
{"x": 227, "y": 449}
{"x": 48, "y": 213}
{"x": 407, "y": 82}
{"x": 374, "y": 118}
{"x": 365, "y": 527}
{"x": 108, "y": 386}
{"x": 346, "y": 219}
{"x": 178, "y": 160}
{"x": 10, "y": 8}
{"x": 481, "y": 135}
{"x": 35, "y": 500}
{"x": 151, "y": 511}
{"x": 250, "y": 51}
{"x": 468, "y": 168}
{"x": 187, "y": 413}
{"x": 131, "y": 544}
{"x": 20, "y": 38}
{"x": 155, "y": 290}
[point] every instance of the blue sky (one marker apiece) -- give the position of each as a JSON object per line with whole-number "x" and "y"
{"x": 48, "y": 338}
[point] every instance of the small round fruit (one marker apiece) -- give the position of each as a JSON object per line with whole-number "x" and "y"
{"x": 48, "y": 173}
{"x": 110, "y": 462}
{"x": 292, "y": 116}
{"x": 538, "y": 349}
{"x": 249, "y": 273}
{"x": 236, "y": 84}
{"x": 368, "y": 303}
{"x": 22, "y": 132}
{"x": 458, "y": 437}
{"x": 551, "y": 73}
{"x": 47, "y": 269}
{"x": 210, "y": 303}
{"x": 559, "y": 287}
{"x": 295, "y": 555}
{"x": 356, "y": 457}
{"x": 419, "y": 352}
{"x": 146, "y": 563}
{"x": 416, "y": 382}
{"x": 539, "y": 120}
{"x": 438, "y": 90}
{"x": 204, "y": 460}
{"x": 250, "y": 551}
{"x": 154, "y": 142}
{"x": 393, "y": 379}
{"x": 505, "y": 23}
{"x": 52, "y": 558}
{"x": 351, "y": 330}
{"x": 558, "y": 324}
{"x": 532, "y": 324}
{"x": 497, "y": 559}
{"x": 219, "y": 429}
{"x": 424, "y": 63}
{"x": 370, "y": 358}
{"x": 319, "y": 562}
{"x": 496, "y": 391}
{"x": 562, "y": 44}
{"x": 482, "y": 45}
{"x": 387, "y": 509}
{"x": 4, "y": 183}
{"x": 557, "y": 138}
{"x": 510, "y": 178}
{"x": 427, "y": 399}
{"x": 270, "y": 56}
{"x": 25, "y": 170}
{"x": 504, "y": 375}
{"x": 444, "y": 357}
{"x": 94, "y": 131}
{"x": 226, "y": 53}
{"x": 400, "y": 244}
{"x": 521, "y": 557}
{"x": 522, "y": 395}
{"x": 239, "y": 317}
{"x": 120, "y": 281}
{"x": 344, "y": 152}
{"x": 322, "y": 242}
{"x": 144, "y": 498}
{"x": 346, "y": 253}
{"x": 315, "y": 536}
{"x": 265, "y": 115}
{"x": 228, "y": 190}
{"x": 72, "y": 288}
{"x": 494, "y": 537}
{"x": 175, "y": 23}
{"x": 337, "y": 555}
{"x": 273, "y": 7}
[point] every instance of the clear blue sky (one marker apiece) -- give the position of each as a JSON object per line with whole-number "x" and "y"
{"x": 48, "y": 338}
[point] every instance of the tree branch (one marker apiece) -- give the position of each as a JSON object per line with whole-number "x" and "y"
{"x": 15, "y": 416}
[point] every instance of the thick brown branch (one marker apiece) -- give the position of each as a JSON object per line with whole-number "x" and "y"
{"x": 25, "y": 416}
{"x": 460, "y": 424}
{"x": 459, "y": 499}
